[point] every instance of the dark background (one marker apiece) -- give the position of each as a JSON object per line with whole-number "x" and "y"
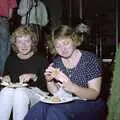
{"x": 99, "y": 15}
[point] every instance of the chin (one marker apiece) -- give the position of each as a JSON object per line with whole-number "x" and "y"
{"x": 24, "y": 53}
{"x": 66, "y": 56}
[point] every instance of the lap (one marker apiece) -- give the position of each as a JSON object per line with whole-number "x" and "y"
{"x": 87, "y": 110}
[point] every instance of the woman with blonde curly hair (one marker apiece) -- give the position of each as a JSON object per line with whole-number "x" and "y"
{"x": 24, "y": 31}
{"x": 74, "y": 78}
{"x": 23, "y": 75}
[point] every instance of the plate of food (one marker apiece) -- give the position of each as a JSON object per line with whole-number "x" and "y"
{"x": 56, "y": 100}
{"x": 13, "y": 85}
{"x": 51, "y": 100}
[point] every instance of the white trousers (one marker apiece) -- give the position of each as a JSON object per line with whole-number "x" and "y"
{"x": 19, "y": 100}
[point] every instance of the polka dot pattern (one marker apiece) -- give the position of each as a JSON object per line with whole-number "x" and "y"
{"x": 87, "y": 69}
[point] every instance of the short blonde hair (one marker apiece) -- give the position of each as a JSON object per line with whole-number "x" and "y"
{"x": 24, "y": 31}
{"x": 63, "y": 31}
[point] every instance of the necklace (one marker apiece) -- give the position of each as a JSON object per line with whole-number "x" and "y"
{"x": 72, "y": 62}
{"x": 70, "y": 65}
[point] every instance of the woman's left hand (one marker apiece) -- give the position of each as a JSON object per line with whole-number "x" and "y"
{"x": 66, "y": 83}
{"x": 60, "y": 76}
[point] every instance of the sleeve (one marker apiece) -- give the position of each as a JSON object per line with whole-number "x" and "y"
{"x": 41, "y": 82}
{"x": 12, "y": 3}
{"x": 24, "y": 7}
{"x": 6, "y": 67}
{"x": 93, "y": 68}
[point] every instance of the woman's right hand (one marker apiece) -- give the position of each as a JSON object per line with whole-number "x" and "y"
{"x": 27, "y": 77}
{"x": 6, "y": 79}
{"x": 48, "y": 73}
{"x": 48, "y": 77}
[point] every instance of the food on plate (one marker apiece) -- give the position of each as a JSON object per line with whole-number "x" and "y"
{"x": 13, "y": 84}
{"x": 54, "y": 99}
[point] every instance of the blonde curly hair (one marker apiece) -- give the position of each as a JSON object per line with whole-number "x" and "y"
{"x": 24, "y": 31}
{"x": 62, "y": 31}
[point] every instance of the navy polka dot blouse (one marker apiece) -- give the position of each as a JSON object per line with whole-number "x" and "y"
{"x": 87, "y": 69}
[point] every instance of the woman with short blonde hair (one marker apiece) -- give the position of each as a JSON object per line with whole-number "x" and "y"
{"x": 23, "y": 77}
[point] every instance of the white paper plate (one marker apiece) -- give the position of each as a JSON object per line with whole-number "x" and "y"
{"x": 44, "y": 97}
{"x": 14, "y": 85}
{"x": 47, "y": 99}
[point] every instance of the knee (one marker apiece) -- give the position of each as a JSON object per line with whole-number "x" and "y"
{"x": 6, "y": 96}
{"x": 20, "y": 92}
{"x": 7, "y": 92}
{"x": 21, "y": 95}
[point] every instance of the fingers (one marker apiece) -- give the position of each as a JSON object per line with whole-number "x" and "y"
{"x": 34, "y": 77}
{"x": 60, "y": 84}
{"x": 55, "y": 73}
{"x": 21, "y": 79}
{"x": 48, "y": 72}
{"x": 1, "y": 78}
{"x": 27, "y": 77}
{"x": 52, "y": 72}
{"x": 49, "y": 69}
{"x": 48, "y": 76}
{"x": 6, "y": 79}
{"x": 51, "y": 65}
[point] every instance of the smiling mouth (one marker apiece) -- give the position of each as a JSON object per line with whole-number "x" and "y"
{"x": 24, "y": 49}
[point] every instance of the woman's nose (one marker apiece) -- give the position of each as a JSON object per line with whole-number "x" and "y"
{"x": 24, "y": 45}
